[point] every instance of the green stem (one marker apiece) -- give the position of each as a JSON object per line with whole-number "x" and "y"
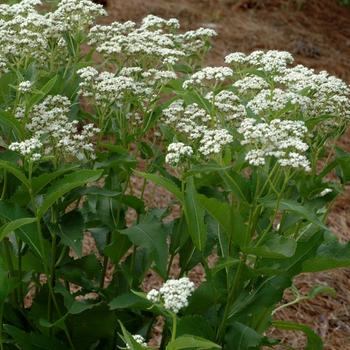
{"x": 230, "y": 299}
{"x": 173, "y": 333}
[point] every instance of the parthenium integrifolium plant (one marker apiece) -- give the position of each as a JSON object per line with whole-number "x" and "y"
{"x": 92, "y": 117}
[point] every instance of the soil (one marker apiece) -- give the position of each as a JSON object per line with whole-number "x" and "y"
{"x": 317, "y": 33}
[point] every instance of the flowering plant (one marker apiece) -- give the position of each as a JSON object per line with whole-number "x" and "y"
{"x": 247, "y": 151}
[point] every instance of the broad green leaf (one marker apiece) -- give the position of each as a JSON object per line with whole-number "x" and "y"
{"x": 273, "y": 246}
{"x": 22, "y": 194}
{"x": 241, "y": 337}
{"x": 194, "y": 212}
{"x": 189, "y": 341}
{"x": 164, "y": 182}
{"x": 13, "y": 225}
{"x": 269, "y": 290}
{"x": 119, "y": 246}
{"x": 10, "y": 120}
{"x": 314, "y": 342}
{"x": 196, "y": 325}
{"x": 329, "y": 256}
{"x": 222, "y": 263}
{"x": 151, "y": 235}
{"x": 203, "y": 168}
{"x": 28, "y": 232}
{"x": 42, "y": 93}
{"x": 33, "y": 341}
{"x": 220, "y": 211}
{"x": 129, "y": 339}
{"x": 71, "y": 230}
{"x": 15, "y": 170}
{"x": 238, "y": 184}
{"x": 68, "y": 183}
{"x": 91, "y": 325}
{"x": 295, "y": 207}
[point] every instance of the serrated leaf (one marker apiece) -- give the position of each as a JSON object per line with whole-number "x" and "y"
{"x": 329, "y": 256}
{"x": 71, "y": 230}
{"x": 189, "y": 341}
{"x": 10, "y": 120}
{"x": 194, "y": 212}
{"x": 238, "y": 184}
{"x": 164, "y": 182}
{"x": 196, "y": 325}
{"x": 129, "y": 339}
{"x": 222, "y": 263}
{"x": 13, "y": 225}
{"x": 151, "y": 235}
{"x": 273, "y": 246}
{"x": 220, "y": 211}
{"x": 33, "y": 341}
{"x": 314, "y": 342}
{"x": 15, "y": 170}
{"x": 295, "y": 207}
{"x": 241, "y": 337}
{"x": 68, "y": 183}
{"x": 26, "y": 232}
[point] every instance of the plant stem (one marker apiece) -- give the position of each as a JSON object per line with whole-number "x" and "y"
{"x": 173, "y": 333}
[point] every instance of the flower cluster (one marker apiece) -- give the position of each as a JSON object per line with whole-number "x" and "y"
{"x": 49, "y": 121}
{"x": 154, "y": 44}
{"x": 176, "y": 151}
{"x": 282, "y": 139}
{"x": 175, "y": 294}
{"x": 30, "y": 148}
{"x": 140, "y": 340}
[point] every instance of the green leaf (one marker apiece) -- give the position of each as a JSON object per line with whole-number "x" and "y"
{"x": 203, "y": 168}
{"x": 13, "y": 225}
{"x": 91, "y": 325}
{"x": 241, "y": 337}
{"x": 11, "y": 121}
{"x": 295, "y": 207}
{"x": 15, "y": 170}
{"x": 273, "y": 246}
{"x": 222, "y": 263}
{"x": 129, "y": 339}
{"x": 119, "y": 246}
{"x": 71, "y": 230}
{"x": 164, "y": 182}
{"x": 329, "y": 256}
{"x": 33, "y": 341}
{"x": 194, "y": 212}
{"x": 314, "y": 342}
{"x": 196, "y": 325}
{"x": 320, "y": 289}
{"x": 151, "y": 235}
{"x": 68, "y": 183}
{"x": 26, "y": 232}
{"x": 220, "y": 211}
{"x": 42, "y": 93}
{"x": 189, "y": 341}
{"x": 239, "y": 186}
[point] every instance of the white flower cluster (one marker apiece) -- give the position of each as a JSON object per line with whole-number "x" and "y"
{"x": 30, "y": 148}
{"x": 140, "y": 340}
{"x": 282, "y": 139}
{"x": 207, "y": 74}
{"x": 175, "y": 294}
{"x": 154, "y": 43}
{"x": 267, "y": 102}
{"x": 25, "y": 86}
{"x": 61, "y": 137}
{"x": 272, "y": 61}
{"x": 107, "y": 88}
{"x": 176, "y": 151}
{"x": 214, "y": 140}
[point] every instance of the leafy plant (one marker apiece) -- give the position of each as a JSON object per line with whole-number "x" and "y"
{"x": 246, "y": 151}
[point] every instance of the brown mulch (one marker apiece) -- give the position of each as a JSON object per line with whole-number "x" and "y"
{"x": 318, "y": 36}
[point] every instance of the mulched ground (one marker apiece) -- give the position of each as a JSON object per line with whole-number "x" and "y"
{"x": 317, "y": 33}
